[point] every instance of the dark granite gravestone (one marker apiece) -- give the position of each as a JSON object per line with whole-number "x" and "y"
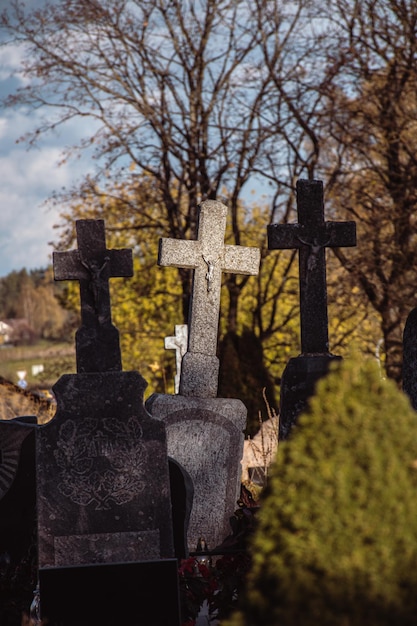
{"x": 310, "y": 236}
{"x": 103, "y": 492}
{"x": 17, "y": 517}
{"x": 409, "y": 369}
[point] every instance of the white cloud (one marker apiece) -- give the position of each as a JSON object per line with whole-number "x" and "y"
{"x": 27, "y": 179}
{"x": 11, "y": 57}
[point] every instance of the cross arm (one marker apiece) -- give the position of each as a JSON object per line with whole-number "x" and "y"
{"x": 340, "y": 234}
{"x": 171, "y": 343}
{"x": 288, "y": 236}
{"x": 67, "y": 266}
{"x": 178, "y": 252}
{"x": 284, "y": 236}
{"x": 121, "y": 262}
{"x": 241, "y": 260}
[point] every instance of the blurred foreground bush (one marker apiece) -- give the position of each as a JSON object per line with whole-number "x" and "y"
{"x": 336, "y": 537}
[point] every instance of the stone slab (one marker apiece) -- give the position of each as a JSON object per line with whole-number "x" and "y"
{"x": 103, "y": 483}
{"x": 120, "y": 594}
{"x": 205, "y": 436}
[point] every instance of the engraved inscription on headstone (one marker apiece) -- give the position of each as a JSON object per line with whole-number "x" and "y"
{"x": 83, "y": 449}
{"x": 209, "y": 257}
{"x": 97, "y": 341}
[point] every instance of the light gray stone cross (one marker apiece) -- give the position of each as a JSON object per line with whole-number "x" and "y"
{"x": 209, "y": 257}
{"x": 178, "y": 343}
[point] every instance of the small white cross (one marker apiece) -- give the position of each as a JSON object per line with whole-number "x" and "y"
{"x": 178, "y": 342}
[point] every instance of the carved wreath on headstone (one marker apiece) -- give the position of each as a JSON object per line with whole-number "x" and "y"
{"x": 100, "y": 461}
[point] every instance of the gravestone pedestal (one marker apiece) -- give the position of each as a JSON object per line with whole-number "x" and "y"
{"x": 85, "y": 595}
{"x": 205, "y": 436}
{"x": 298, "y": 385}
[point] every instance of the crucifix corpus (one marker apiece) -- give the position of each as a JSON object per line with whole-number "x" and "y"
{"x": 311, "y": 236}
{"x": 97, "y": 340}
{"x": 209, "y": 257}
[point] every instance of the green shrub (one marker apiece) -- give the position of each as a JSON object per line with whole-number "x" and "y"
{"x": 336, "y": 537}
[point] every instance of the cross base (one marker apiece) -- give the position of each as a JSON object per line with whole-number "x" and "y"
{"x": 199, "y": 375}
{"x": 98, "y": 349}
{"x": 298, "y": 385}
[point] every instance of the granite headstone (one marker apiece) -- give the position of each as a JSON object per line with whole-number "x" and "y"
{"x": 205, "y": 433}
{"x": 311, "y": 236}
{"x": 103, "y": 489}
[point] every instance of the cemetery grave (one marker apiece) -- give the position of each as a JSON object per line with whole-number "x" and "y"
{"x": 204, "y": 432}
{"x": 119, "y": 492}
{"x": 310, "y": 236}
{"x": 103, "y": 493}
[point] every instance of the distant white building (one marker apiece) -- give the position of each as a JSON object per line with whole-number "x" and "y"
{"x": 15, "y": 331}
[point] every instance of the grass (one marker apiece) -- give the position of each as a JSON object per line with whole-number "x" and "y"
{"x": 56, "y": 359}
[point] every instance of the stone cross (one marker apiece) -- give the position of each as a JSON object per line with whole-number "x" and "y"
{"x": 209, "y": 257}
{"x": 97, "y": 341}
{"x": 409, "y": 367}
{"x": 311, "y": 236}
{"x": 178, "y": 343}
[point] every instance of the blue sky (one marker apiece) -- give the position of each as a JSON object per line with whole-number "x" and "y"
{"x": 28, "y": 178}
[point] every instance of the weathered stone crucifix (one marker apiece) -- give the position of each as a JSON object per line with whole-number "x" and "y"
{"x": 178, "y": 343}
{"x": 209, "y": 257}
{"x": 97, "y": 341}
{"x": 311, "y": 236}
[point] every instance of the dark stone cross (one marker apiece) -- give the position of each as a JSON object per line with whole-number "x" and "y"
{"x": 311, "y": 236}
{"x": 97, "y": 340}
{"x": 409, "y": 367}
